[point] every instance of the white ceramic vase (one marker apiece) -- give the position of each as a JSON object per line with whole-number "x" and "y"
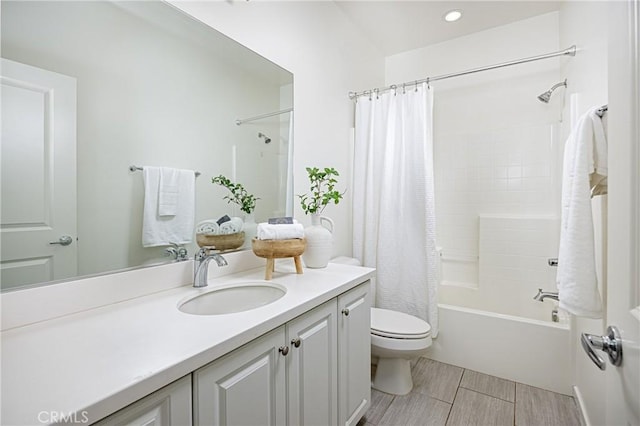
{"x": 250, "y": 229}
{"x": 319, "y": 238}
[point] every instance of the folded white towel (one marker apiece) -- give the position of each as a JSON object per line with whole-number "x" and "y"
{"x": 584, "y": 155}
{"x": 208, "y": 227}
{"x": 267, "y": 231}
{"x": 160, "y": 230}
{"x": 168, "y": 191}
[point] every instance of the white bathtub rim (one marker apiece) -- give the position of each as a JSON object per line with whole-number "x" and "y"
{"x": 561, "y": 326}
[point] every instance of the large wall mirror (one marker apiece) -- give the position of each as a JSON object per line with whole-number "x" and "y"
{"x": 92, "y": 88}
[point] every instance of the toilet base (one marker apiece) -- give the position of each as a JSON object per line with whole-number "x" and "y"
{"x": 393, "y": 375}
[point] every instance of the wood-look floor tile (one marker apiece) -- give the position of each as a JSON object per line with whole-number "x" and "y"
{"x": 436, "y": 379}
{"x": 380, "y": 401}
{"x": 538, "y": 407}
{"x": 474, "y": 408}
{"x": 415, "y": 409}
{"x": 489, "y": 385}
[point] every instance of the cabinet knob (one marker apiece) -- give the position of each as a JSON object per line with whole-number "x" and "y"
{"x": 296, "y": 342}
{"x": 345, "y": 312}
{"x": 284, "y": 350}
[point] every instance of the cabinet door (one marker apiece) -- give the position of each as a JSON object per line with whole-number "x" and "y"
{"x": 170, "y": 406}
{"x": 245, "y": 387}
{"x": 354, "y": 354}
{"x": 312, "y": 367}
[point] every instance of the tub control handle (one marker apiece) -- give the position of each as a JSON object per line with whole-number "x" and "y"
{"x": 611, "y": 343}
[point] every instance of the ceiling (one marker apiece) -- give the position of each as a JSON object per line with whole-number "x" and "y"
{"x": 398, "y": 26}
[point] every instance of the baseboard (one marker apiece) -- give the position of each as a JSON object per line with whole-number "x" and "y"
{"x": 577, "y": 397}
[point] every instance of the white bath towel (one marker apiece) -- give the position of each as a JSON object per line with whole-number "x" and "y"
{"x": 160, "y": 230}
{"x": 268, "y": 231}
{"x": 584, "y": 155}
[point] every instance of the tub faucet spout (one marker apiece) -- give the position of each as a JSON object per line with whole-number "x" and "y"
{"x": 201, "y": 265}
{"x": 545, "y": 295}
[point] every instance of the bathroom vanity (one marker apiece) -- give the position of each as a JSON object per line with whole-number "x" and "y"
{"x": 301, "y": 359}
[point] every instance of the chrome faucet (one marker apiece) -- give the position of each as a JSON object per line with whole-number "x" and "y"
{"x": 201, "y": 265}
{"x": 545, "y": 295}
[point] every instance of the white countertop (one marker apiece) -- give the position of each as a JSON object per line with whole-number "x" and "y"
{"x": 103, "y": 359}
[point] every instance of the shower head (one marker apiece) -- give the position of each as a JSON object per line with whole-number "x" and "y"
{"x": 546, "y": 96}
{"x": 266, "y": 138}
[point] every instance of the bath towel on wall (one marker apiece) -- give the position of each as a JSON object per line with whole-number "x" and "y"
{"x": 169, "y": 206}
{"x": 393, "y": 200}
{"x": 584, "y": 168}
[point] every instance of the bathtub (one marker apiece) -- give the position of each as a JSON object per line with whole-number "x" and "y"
{"x": 529, "y": 351}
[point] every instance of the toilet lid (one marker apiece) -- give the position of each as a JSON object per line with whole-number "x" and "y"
{"x": 398, "y": 325}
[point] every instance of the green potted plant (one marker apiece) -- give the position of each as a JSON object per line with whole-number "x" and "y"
{"x": 320, "y": 234}
{"x": 247, "y": 203}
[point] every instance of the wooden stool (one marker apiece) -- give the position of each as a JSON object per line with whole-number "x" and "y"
{"x": 279, "y": 249}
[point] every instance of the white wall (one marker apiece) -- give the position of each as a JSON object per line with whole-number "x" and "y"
{"x": 328, "y": 58}
{"x": 585, "y": 24}
{"x": 136, "y": 105}
{"x": 496, "y": 151}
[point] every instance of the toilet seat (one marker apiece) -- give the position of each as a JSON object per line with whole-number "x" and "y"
{"x": 398, "y": 325}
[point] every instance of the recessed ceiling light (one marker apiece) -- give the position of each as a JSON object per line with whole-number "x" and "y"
{"x": 453, "y": 15}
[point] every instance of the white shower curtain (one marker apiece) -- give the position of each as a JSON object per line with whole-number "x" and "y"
{"x": 393, "y": 199}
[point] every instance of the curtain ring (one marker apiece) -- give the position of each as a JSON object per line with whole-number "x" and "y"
{"x": 416, "y": 85}
{"x": 395, "y": 89}
{"x": 428, "y": 85}
{"x": 377, "y": 91}
{"x": 404, "y": 86}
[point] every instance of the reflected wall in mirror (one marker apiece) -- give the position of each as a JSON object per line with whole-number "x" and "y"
{"x": 129, "y": 83}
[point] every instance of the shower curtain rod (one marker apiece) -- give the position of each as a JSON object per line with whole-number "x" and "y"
{"x": 571, "y": 51}
{"x": 258, "y": 117}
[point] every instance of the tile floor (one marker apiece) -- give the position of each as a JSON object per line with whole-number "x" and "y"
{"x": 447, "y": 395}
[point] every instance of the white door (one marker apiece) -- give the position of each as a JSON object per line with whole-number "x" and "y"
{"x": 354, "y": 352}
{"x": 38, "y": 175}
{"x": 312, "y": 367}
{"x": 623, "y": 277}
{"x": 245, "y": 387}
{"x": 169, "y": 406}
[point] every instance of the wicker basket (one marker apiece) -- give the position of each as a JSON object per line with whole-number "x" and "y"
{"x": 221, "y": 242}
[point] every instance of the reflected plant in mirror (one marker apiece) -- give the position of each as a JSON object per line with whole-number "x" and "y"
{"x": 239, "y": 195}
{"x": 148, "y": 85}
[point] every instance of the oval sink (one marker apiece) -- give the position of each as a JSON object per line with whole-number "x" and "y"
{"x": 238, "y": 297}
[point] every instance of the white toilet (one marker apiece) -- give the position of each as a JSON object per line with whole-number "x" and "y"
{"x": 396, "y": 339}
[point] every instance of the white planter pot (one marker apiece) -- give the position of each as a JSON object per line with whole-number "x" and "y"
{"x": 250, "y": 230}
{"x": 319, "y": 242}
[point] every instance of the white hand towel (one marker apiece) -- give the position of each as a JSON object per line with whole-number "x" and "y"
{"x": 168, "y": 191}
{"x": 267, "y": 231}
{"x": 163, "y": 230}
{"x": 229, "y": 227}
{"x": 585, "y": 154}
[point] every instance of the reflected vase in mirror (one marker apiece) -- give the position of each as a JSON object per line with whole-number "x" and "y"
{"x": 319, "y": 236}
{"x": 250, "y": 230}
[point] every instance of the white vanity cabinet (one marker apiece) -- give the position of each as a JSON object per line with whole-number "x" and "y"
{"x": 354, "y": 354}
{"x": 288, "y": 376}
{"x": 169, "y": 406}
{"x": 314, "y": 370}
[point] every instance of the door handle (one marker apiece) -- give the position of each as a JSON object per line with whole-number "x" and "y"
{"x": 611, "y": 343}
{"x": 65, "y": 240}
